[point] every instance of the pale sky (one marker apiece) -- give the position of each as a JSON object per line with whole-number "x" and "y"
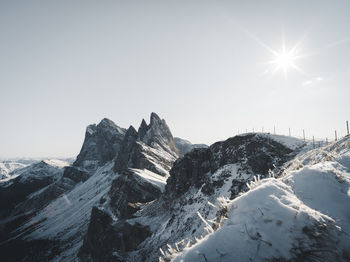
{"x": 201, "y": 65}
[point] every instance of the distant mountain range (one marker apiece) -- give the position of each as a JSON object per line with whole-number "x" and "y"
{"x": 9, "y": 166}
{"x": 143, "y": 195}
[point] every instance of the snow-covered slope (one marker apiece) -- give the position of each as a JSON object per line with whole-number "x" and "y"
{"x": 150, "y": 177}
{"x": 26, "y": 181}
{"x": 288, "y": 141}
{"x": 302, "y": 216}
{"x": 67, "y": 217}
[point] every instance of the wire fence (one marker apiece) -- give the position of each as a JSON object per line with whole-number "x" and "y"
{"x": 316, "y": 142}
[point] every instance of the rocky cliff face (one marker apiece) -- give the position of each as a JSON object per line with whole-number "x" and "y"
{"x": 101, "y": 144}
{"x": 152, "y": 147}
{"x": 157, "y": 134}
{"x": 128, "y": 193}
{"x": 254, "y": 154}
{"x": 143, "y": 163}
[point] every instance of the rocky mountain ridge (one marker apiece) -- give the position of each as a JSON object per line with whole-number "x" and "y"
{"x": 143, "y": 195}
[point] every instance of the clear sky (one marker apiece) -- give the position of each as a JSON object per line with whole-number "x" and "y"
{"x": 201, "y": 65}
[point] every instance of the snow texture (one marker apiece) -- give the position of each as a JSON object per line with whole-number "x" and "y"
{"x": 302, "y": 214}
{"x": 67, "y": 217}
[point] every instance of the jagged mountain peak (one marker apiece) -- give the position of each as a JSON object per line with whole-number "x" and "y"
{"x": 142, "y": 129}
{"x": 156, "y": 124}
{"x": 107, "y": 123}
{"x": 157, "y": 134}
{"x": 151, "y": 147}
{"x": 154, "y": 118}
{"x": 131, "y": 131}
{"x": 101, "y": 144}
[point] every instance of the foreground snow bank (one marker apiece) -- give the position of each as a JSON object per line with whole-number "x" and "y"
{"x": 304, "y": 215}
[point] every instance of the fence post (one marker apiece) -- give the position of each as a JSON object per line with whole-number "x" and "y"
{"x": 313, "y": 141}
{"x": 304, "y": 134}
{"x": 347, "y": 126}
{"x": 326, "y": 141}
{"x": 335, "y": 133}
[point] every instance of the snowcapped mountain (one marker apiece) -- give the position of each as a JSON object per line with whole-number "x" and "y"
{"x": 143, "y": 195}
{"x": 203, "y": 175}
{"x": 58, "y": 213}
{"x": 6, "y": 167}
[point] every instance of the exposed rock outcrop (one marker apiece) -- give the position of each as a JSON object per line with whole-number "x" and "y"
{"x": 143, "y": 162}
{"x": 110, "y": 236}
{"x": 101, "y": 144}
{"x": 152, "y": 147}
{"x": 254, "y": 154}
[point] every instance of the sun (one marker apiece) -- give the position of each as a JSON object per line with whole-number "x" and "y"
{"x": 285, "y": 60}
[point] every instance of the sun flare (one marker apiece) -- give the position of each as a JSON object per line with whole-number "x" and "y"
{"x": 284, "y": 60}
